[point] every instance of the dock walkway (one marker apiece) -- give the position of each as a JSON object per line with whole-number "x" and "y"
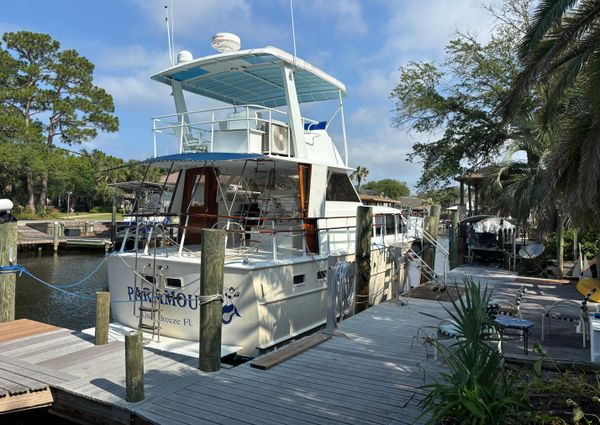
{"x": 370, "y": 375}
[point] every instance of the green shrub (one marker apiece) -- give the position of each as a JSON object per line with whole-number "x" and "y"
{"x": 476, "y": 389}
{"x": 587, "y": 239}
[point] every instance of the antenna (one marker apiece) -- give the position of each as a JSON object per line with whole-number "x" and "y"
{"x": 169, "y": 35}
{"x": 293, "y": 29}
{"x": 172, "y": 20}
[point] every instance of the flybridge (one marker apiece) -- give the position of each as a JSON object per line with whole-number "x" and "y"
{"x": 254, "y": 83}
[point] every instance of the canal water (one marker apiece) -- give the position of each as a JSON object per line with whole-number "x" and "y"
{"x": 71, "y": 310}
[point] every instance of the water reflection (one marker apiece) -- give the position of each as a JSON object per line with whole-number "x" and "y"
{"x": 39, "y": 302}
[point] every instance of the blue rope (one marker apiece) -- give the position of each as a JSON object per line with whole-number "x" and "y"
{"x": 20, "y": 269}
{"x": 17, "y": 268}
{"x": 58, "y": 288}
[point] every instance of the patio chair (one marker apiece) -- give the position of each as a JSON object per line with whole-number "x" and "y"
{"x": 448, "y": 329}
{"x": 508, "y": 306}
{"x": 569, "y": 311}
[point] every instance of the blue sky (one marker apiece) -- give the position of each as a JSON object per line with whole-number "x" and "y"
{"x": 360, "y": 42}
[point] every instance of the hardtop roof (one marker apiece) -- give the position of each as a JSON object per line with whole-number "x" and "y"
{"x": 252, "y": 77}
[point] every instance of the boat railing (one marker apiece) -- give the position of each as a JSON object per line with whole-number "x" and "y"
{"x": 218, "y": 130}
{"x": 246, "y": 235}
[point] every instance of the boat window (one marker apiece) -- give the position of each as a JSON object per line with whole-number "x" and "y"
{"x": 173, "y": 282}
{"x": 339, "y": 188}
{"x": 378, "y": 226}
{"x": 390, "y": 224}
{"x": 400, "y": 225}
{"x": 298, "y": 279}
{"x": 321, "y": 274}
{"x": 149, "y": 278}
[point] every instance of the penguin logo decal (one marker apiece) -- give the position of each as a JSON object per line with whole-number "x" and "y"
{"x": 229, "y": 308}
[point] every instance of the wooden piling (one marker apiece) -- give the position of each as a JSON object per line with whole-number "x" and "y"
{"x": 55, "y": 232}
{"x": 102, "y": 317}
{"x": 454, "y": 240}
{"x": 364, "y": 233}
{"x": 211, "y": 313}
{"x": 113, "y": 221}
{"x": 575, "y": 244}
{"x": 134, "y": 366}
{"x": 8, "y": 255}
{"x": 560, "y": 241}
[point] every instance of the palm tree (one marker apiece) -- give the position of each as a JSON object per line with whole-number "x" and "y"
{"x": 561, "y": 50}
{"x": 358, "y": 175}
{"x": 519, "y": 187}
{"x": 561, "y": 47}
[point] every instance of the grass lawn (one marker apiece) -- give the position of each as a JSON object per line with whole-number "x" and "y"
{"x": 89, "y": 216}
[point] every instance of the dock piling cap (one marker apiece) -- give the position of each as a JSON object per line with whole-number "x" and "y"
{"x": 6, "y": 205}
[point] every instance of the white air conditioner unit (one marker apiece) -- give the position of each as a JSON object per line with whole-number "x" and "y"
{"x": 280, "y": 138}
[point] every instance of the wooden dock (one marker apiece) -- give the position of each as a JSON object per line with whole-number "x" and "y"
{"x": 371, "y": 374}
{"x": 29, "y": 237}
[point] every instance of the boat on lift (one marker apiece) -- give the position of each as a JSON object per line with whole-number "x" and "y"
{"x": 278, "y": 184}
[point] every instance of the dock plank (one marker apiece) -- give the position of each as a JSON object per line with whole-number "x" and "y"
{"x": 87, "y": 354}
{"x": 287, "y": 352}
{"x": 32, "y": 340}
{"x": 22, "y": 328}
{"x": 46, "y": 374}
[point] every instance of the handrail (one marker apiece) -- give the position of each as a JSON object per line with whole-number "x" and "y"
{"x": 428, "y": 236}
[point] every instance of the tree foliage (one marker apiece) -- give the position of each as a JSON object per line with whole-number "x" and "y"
{"x": 456, "y": 100}
{"x": 391, "y": 188}
{"x": 446, "y": 197}
{"x": 359, "y": 175}
{"x": 47, "y": 96}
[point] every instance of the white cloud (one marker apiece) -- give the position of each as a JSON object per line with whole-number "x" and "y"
{"x": 426, "y": 26}
{"x": 383, "y": 152}
{"x": 190, "y": 16}
{"x": 125, "y": 71}
{"x": 347, "y": 14}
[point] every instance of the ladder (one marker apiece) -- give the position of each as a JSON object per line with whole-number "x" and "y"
{"x": 149, "y": 309}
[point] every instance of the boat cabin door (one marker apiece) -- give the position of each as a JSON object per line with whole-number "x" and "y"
{"x": 199, "y": 201}
{"x": 309, "y": 224}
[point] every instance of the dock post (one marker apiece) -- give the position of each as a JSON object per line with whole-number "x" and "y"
{"x": 55, "y": 236}
{"x": 560, "y": 240}
{"x": 8, "y": 256}
{"x": 113, "y": 221}
{"x": 211, "y": 313}
{"x": 364, "y": 234}
{"x": 102, "y": 317}
{"x": 332, "y": 323}
{"x": 134, "y": 367}
{"x": 575, "y": 244}
{"x": 454, "y": 240}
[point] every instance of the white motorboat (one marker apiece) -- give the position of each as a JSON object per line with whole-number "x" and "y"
{"x": 274, "y": 180}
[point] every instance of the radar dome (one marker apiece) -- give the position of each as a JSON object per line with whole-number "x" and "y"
{"x": 184, "y": 56}
{"x": 225, "y": 42}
